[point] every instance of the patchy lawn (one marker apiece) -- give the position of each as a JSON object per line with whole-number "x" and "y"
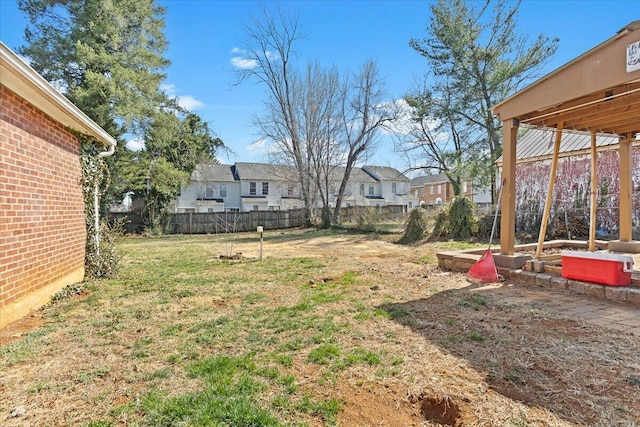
{"x": 331, "y": 328}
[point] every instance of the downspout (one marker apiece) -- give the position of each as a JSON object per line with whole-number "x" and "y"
{"x": 96, "y": 205}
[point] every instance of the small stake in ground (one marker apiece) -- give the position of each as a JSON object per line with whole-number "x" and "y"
{"x": 260, "y": 230}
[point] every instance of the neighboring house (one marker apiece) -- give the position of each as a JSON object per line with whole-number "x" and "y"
{"x": 213, "y": 188}
{"x": 434, "y": 190}
{"x": 42, "y": 216}
{"x": 262, "y": 186}
{"x": 362, "y": 189}
{"x": 534, "y": 153}
{"x": 268, "y": 187}
{"x": 395, "y": 187}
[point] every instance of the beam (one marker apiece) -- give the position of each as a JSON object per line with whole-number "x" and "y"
{"x": 552, "y": 183}
{"x": 508, "y": 202}
{"x": 626, "y": 185}
{"x": 594, "y": 193}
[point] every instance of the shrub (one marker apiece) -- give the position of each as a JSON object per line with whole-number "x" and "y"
{"x": 462, "y": 224}
{"x": 415, "y": 227}
{"x": 456, "y": 221}
{"x": 367, "y": 219}
{"x": 441, "y": 227}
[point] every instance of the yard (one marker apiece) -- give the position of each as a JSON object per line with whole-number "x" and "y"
{"x": 331, "y": 328}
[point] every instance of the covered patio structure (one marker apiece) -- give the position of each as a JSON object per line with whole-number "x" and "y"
{"x": 598, "y": 92}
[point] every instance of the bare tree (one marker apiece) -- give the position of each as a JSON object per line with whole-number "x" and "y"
{"x": 322, "y": 94}
{"x": 315, "y": 120}
{"x": 431, "y": 138}
{"x": 364, "y": 114}
{"x": 268, "y": 55}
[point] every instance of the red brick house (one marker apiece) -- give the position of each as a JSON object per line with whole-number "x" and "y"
{"x": 434, "y": 190}
{"x": 42, "y": 214}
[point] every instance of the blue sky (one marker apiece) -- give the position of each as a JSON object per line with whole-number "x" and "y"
{"x": 202, "y": 35}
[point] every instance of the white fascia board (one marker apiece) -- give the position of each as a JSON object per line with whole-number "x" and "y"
{"x": 19, "y": 77}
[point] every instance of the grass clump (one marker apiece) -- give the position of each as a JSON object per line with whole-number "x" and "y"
{"x": 230, "y": 397}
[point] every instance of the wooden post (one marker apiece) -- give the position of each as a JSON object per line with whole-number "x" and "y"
{"x": 552, "y": 183}
{"x": 626, "y": 184}
{"x": 508, "y": 204}
{"x": 594, "y": 194}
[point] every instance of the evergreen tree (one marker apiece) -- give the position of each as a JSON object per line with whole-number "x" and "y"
{"x": 476, "y": 59}
{"x": 106, "y": 56}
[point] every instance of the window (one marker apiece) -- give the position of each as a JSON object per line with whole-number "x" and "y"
{"x": 362, "y": 189}
{"x": 209, "y": 192}
{"x": 256, "y": 207}
{"x": 265, "y": 188}
{"x": 371, "y": 189}
{"x": 252, "y": 189}
{"x": 210, "y": 210}
{"x": 223, "y": 190}
{"x": 290, "y": 190}
{"x": 410, "y": 205}
{"x": 394, "y": 187}
{"x": 440, "y": 189}
{"x": 464, "y": 187}
{"x": 431, "y": 189}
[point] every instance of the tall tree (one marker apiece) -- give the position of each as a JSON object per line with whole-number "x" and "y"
{"x": 106, "y": 56}
{"x": 315, "y": 120}
{"x": 363, "y": 114}
{"x": 269, "y": 53}
{"x": 476, "y": 59}
{"x": 173, "y": 146}
{"x": 321, "y": 96}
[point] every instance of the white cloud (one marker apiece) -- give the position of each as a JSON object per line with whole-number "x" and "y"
{"x": 135, "y": 144}
{"x": 170, "y": 89}
{"x": 258, "y": 145}
{"x": 241, "y": 61}
{"x": 189, "y": 103}
{"x": 245, "y": 64}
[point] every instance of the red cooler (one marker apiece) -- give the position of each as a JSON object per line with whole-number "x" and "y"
{"x": 596, "y": 267}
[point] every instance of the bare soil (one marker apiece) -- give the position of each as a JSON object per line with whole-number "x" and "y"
{"x": 469, "y": 355}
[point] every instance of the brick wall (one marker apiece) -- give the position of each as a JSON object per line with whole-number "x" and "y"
{"x": 428, "y": 194}
{"x": 42, "y": 228}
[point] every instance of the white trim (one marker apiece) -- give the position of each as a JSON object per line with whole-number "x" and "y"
{"x": 19, "y": 77}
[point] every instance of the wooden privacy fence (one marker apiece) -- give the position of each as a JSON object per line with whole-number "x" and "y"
{"x": 215, "y": 222}
{"x": 229, "y": 222}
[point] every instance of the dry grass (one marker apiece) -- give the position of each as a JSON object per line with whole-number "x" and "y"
{"x": 332, "y": 328}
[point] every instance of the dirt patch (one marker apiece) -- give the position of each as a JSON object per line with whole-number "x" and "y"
{"x": 21, "y": 328}
{"x": 447, "y": 411}
{"x": 371, "y": 403}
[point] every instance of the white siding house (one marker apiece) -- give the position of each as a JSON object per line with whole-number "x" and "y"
{"x": 395, "y": 187}
{"x": 260, "y": 186}
{"x": 213, "y": 188}
{"x": 267, "y": 187}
